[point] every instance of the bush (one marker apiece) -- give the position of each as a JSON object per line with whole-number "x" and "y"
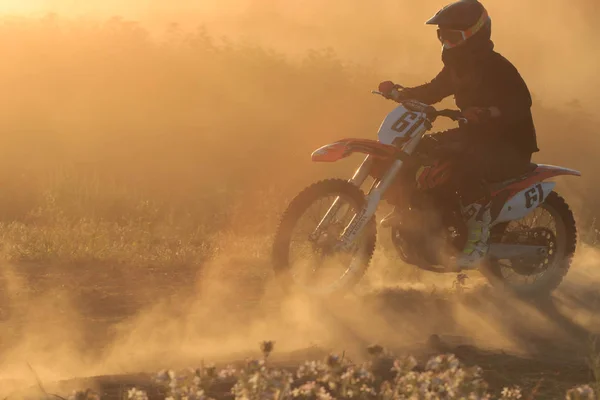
{"x": 443, "y": 377}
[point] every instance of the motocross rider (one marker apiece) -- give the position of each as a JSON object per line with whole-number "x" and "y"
{"x": 499, "y": 138}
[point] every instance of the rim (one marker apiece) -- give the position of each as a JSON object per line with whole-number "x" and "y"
{"x": 543, "y": 223}
{"x": 312, "y": 260}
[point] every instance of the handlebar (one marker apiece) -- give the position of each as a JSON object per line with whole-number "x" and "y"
{"x": 455, "y": 115}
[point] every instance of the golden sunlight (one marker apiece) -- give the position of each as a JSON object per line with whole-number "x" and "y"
{"x": 64, "y": 7}
{"x": 20, "y": 6}
{"x": 99, "y": 7}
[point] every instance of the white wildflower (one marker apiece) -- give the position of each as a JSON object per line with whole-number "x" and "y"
{"x": 135, "y": 394}
{"x": 433, "y": 363}
{"x": 584, "y": 392}
{"x": 162, "y": 375}
{"x": 228, "y": 372}
{"x": 511, "y": 393}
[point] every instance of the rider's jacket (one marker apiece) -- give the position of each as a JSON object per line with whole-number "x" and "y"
{"x": 484, "y": 78}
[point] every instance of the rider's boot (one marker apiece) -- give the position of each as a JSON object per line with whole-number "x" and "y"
{"x": 478, "y": 219}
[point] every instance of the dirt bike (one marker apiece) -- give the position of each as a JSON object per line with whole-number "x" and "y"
{"x": 427, "y": 232}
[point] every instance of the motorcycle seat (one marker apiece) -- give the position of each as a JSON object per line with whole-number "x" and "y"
{"x": 522, "y": 174}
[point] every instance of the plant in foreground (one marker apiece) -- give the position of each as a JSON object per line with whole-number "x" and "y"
{"x": 383, "y": 377}
{"x": 594, "y": 363}
{"x": 584, "y": 392}
{"x": 443, "y": 377}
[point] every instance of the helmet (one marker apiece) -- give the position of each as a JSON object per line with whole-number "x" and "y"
{"x": 459, "y": 21}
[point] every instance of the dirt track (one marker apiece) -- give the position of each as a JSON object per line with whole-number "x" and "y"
{"x": 87, "y": 312}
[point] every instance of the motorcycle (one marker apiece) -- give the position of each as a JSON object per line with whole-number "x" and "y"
{"x": 426, "y": 231}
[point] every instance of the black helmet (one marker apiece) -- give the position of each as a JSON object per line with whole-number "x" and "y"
{"x": 459, "y": 21}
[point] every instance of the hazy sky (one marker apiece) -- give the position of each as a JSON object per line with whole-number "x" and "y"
{"x": 132, "y": 8}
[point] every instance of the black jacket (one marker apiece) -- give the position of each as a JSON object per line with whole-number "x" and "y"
{"x": 486, "y": 79}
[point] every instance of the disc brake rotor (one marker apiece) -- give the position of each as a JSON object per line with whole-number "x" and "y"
{"x": 535, "y": 237}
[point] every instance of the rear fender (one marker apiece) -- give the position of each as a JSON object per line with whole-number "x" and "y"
{"x": 546, "y": 171}
{"x": 543, "y": 172}
{"x": 523, "y": 202}
{"x": 343, "y": 148}
{"x": 520, "y": 196}
{"x": 539, "y": 174}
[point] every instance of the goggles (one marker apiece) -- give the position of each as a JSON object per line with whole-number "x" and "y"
{"x": 453, "y": 37}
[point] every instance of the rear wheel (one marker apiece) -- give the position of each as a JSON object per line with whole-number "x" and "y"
{"x": 308, "y": 259}
{"x": 551, "y": 225}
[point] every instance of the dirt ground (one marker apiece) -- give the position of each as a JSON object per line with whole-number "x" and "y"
{"x": 109, "y": 328}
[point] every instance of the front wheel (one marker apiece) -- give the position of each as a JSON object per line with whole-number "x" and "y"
{"x": 309, "y": 259}
{"x": 551, "y": 225}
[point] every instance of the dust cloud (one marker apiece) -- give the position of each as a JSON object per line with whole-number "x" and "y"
{"x": 235, "y": 304}
{"x": 104, "y": 112}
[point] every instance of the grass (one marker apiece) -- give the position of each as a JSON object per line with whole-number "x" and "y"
{"x": 53, "y": 238}
{"x": 120, "y": 227}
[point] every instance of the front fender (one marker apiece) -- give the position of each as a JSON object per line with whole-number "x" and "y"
{"x": 343, "y": 148}
{"x": 331, "y": 152}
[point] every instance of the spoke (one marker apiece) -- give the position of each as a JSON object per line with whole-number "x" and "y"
{"x": 320, "y": 212}
{"x": 541, "y": 220}
{"x": 317, "y": 259}
{"x": 347, "y": 216}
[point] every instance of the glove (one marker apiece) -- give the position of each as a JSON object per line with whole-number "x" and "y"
{"x": 477, "y": 115}
{"x": 386, "y": 89}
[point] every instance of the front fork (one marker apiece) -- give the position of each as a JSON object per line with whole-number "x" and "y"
{"x": 359, "y": 221}
{"x": 357, "y": 179}
{"x": 373, "y": 198}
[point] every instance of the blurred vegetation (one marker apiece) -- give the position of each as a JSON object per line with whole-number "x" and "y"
{"x": 117, "y": 145}
{"x": 383, "y": 376}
